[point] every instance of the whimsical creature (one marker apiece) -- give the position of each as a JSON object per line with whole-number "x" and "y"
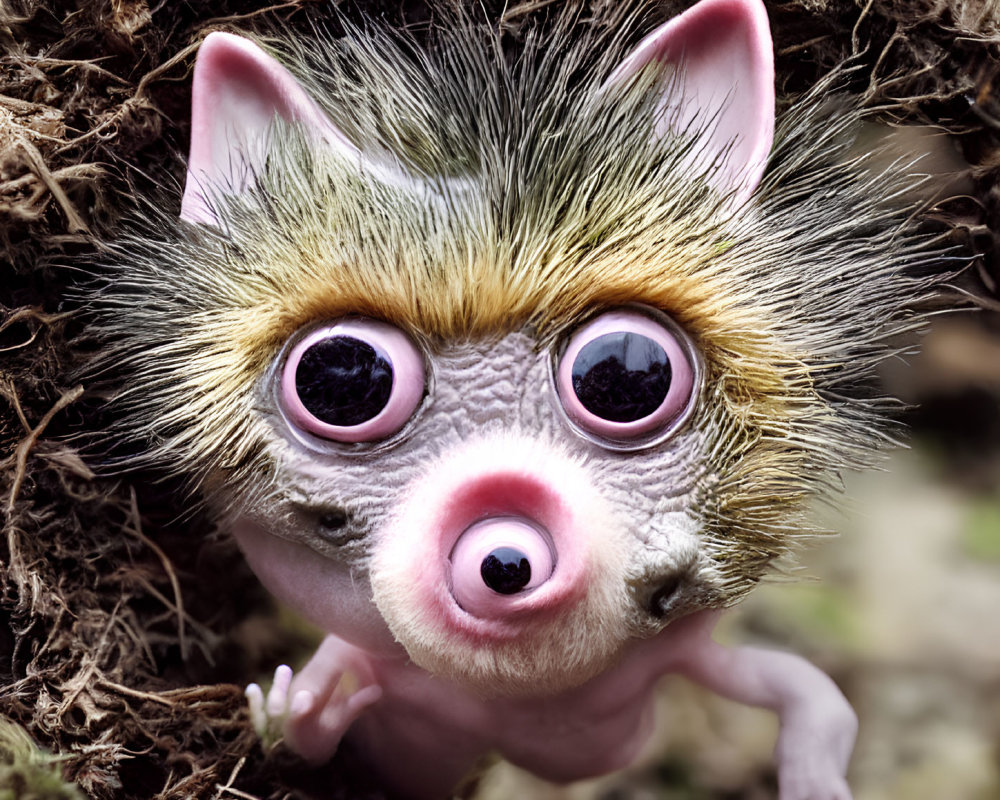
{"x": 510, "y": 373}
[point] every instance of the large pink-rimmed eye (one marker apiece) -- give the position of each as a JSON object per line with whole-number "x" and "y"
{"x": 357, "y": 380}
{"x": 627, "y": 375}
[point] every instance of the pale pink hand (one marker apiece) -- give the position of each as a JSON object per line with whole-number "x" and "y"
{"x": 313, "y": 711}
{"x": 813, "y": 750}
{"x": 818, "y": 726}
{"x": 322, "y": 708}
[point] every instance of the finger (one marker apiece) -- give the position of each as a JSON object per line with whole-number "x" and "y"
{"x": 277, "y": 698}
{"x": 313, "y": 740}
{"x": 303, "y": 703}
{"x": 323, "y": 672}
{"x": 316, "y": 737}
{"x": 255, "y": 699}
{"x": 361, "y": 699}
{"x": 338, "y": 716}
{"x": 813, "y": 785}
{"x": 842, "y": 792}
{"x": 320, "y": 683}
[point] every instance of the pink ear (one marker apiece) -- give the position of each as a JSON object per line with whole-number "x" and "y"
{"x": 725, "y": 85}
{"x": 237, "y": 92}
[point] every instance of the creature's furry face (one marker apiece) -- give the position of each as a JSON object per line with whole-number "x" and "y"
{"x": 530, "y": 198}
{"x": 492, "y": 417}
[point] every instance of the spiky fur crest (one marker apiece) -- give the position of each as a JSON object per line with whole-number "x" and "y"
{"x": 549, "y": 198}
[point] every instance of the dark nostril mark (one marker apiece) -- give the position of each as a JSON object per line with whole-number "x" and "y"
{"x": 663, "y": 598}
{"x": 506, "y": 570}
{"x": 333, "y": 520}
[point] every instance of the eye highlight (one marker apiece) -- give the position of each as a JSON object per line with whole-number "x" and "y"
{"x": 627, "y": 376}
{"x": 356, "y": 380}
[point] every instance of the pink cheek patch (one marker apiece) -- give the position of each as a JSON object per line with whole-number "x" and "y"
{"x": 358, "y": 380}
{"x": 626, "y": 375}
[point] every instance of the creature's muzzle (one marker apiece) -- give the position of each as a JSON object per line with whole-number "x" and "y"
{"x": 503, "y": 569}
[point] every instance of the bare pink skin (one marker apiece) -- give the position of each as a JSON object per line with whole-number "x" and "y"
{"x": 469, "y": 498}
{"x": 724, "y": 49}
{"x": 236, "y": 93}
{"x": 422, "y": 734}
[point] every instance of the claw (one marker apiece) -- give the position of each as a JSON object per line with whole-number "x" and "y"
{"x": 258, "y": 717}
{"x": 277, "y": 698}
{"x": 269, "y": 716}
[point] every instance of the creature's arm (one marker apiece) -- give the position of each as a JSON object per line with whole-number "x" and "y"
{"x": 818, "y": 726}
{"x": 314, "y": 710}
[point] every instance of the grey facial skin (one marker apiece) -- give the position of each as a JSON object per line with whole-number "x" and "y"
{"x": 335, "y": 498}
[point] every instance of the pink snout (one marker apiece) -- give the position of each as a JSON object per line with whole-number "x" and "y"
{"x": 504, "y": 569}
{"x": 497, "y": 559}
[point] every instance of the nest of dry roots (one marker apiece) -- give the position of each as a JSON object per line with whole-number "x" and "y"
{"x": 128, "y": 627}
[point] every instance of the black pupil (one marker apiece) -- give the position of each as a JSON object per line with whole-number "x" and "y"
{"x": 343, "y": 381}
{"x": 506, "y": 570}
{"x": 621, "y": 377}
